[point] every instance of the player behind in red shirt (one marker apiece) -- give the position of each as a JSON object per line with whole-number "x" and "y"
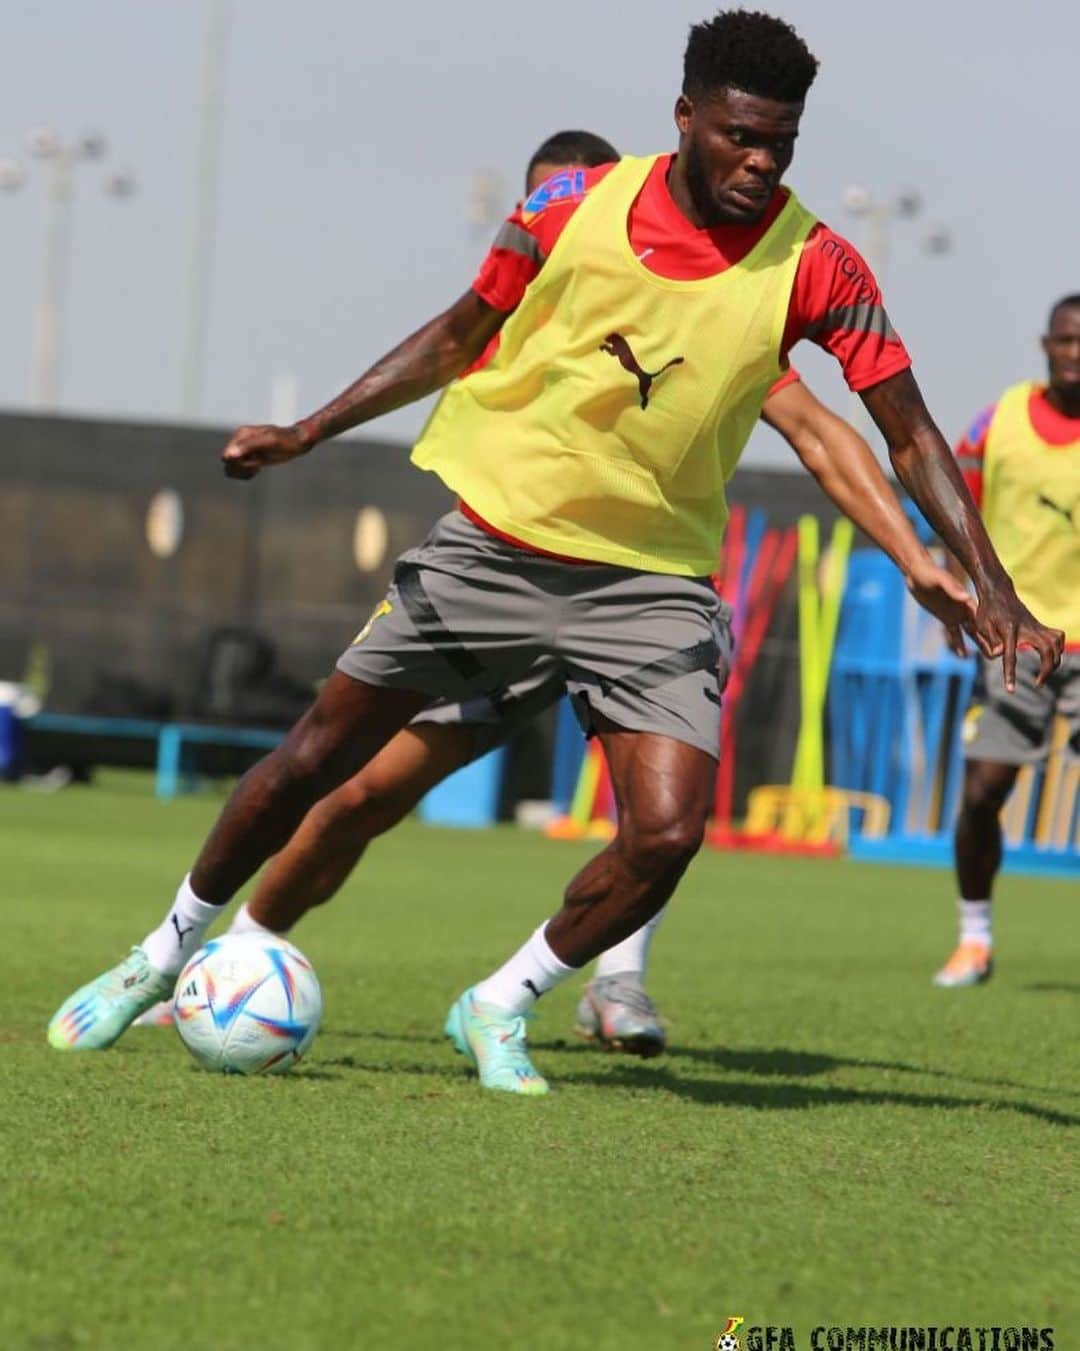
{"x": 1021, "y": 460}
{"x": 600, "y": 436}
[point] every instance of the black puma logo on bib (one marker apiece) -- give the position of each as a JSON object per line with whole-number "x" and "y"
{"x": 615, "y": 345}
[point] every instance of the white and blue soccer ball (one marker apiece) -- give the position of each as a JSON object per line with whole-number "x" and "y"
{"x": 247, "y": 1004}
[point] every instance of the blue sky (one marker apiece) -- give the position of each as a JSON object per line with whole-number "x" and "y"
{"x": 352, "y": 134}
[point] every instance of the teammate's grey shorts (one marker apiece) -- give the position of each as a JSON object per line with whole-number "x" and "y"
{"x": 1015, "y": 729}
{"x": 469, "y": 616}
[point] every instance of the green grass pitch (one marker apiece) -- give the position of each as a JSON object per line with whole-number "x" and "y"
{"x": 829, "y": 1140}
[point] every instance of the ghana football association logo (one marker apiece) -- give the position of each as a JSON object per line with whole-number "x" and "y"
{"x": 729, "y": 1340}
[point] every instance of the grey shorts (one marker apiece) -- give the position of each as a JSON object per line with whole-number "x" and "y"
{"x": 493, "y": 719}
{"x": 469, "y": 616}
{"x": 1015, "y": 729}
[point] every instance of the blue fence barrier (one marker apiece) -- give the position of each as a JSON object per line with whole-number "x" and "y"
{"x": 897, "y": 699}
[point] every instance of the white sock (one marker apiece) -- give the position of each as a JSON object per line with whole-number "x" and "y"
{"x": 531, "y": 971}
{"x": 632, "y": 954}
{"x": 975, "y": 922}
{"x": 243, "y": 922}
{"x": 180, "y": 934}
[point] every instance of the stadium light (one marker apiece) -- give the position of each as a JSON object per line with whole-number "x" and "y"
{"x": 879, "y": 213}
{"x": 12, "y": 175}
{"x": 59, "y": 159}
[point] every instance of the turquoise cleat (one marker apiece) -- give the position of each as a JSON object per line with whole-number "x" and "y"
{"x": 494, "y": 1041}
{"x": 96, "y": 1015}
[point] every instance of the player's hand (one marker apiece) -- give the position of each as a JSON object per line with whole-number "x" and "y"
{"x": 253, "y": 448}
{"x": 1003, "y": 623}
{"x": 938, "y": 591}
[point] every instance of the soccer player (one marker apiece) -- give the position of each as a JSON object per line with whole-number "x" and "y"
{"x": 614, "y": 1009}
{"x": 644, "y": 311}
{"x": 1021, "y": 461}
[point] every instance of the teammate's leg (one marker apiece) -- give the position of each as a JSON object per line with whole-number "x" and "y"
{"x": 663, "y": 789}
{"x": 1002, "y": 732}
{"x": 333, "y": 835}
{"x": 345, "y": 727}
{"x": 615, "y": 1010}
{"x": 977, "y": 851}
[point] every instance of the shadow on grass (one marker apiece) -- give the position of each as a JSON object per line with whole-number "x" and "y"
{"x": 788, "y": 1096}
{"x": 765, "y": 1062}
{"x": 1051, "y": 987}
{"x": 775, "y": 1089}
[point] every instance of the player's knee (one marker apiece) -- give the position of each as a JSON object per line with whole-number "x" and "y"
{"x": 662, "y": 847}
{"x": 985, "y": 792}
{"x": 304, "y": 763}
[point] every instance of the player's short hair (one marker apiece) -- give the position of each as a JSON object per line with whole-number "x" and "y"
{"x": 1065, "y": 303}
{"x": 748, "y": 50}
{"x": 573, "y": 147}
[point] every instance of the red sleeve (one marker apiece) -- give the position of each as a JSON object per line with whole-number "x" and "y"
{"x": 529, "y": 234}
{"x": 836, "y": 302}
{"x": 790, "y": 377}
{"x": 970, "y": 451}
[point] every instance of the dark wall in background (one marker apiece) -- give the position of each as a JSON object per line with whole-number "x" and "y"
{"x": 77, "y": 573}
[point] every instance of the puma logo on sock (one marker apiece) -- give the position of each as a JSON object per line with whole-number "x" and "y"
{"x": 180, "y": 932}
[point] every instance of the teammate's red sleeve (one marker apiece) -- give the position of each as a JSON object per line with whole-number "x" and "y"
{"x": 970, "y": 452}
{"x": 529, "y": 234}
{"x": 790, "y": 377}
{"x": 836, "y": 302}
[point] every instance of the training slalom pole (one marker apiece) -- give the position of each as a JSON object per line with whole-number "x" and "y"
{"x": 808, "y": 751}
{"x": 1052, "y": 785}
{"x": 833, "y": 579}
{"x": 777, "y": 560}
{"x": 744, "y": 656}
{"x": 588, "y": 781}
{"x": 729, "y": 573}
{"x": 575, "y": 823}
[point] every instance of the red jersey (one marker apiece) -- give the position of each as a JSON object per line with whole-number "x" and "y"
{"x": 835, "y": 301}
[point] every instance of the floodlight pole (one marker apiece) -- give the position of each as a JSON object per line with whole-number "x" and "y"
{"x": 60, "y": 160}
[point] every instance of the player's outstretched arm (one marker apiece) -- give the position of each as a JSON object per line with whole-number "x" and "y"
{"x": 844, "y": 465}
{"x": 423, "y": 363}
{"x": 927, "y": 469}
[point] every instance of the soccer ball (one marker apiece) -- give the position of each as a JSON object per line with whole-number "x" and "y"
{"x": 727, "y": 1341}
{"x": 247, "y": 1004}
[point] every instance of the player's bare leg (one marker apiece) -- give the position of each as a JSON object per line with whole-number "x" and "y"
{"x": 345, "y": 727}
{"x": 663, "y": 790}
{"x": 333, "y": 836}
{"x": 978, "y": 849}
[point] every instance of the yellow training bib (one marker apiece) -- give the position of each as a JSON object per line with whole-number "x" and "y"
{"x": 1031, "y": 506}
{"x": 618, "y": 402}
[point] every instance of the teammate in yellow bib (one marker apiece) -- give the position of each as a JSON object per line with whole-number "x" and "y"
{"x": 1021, "y": 460}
